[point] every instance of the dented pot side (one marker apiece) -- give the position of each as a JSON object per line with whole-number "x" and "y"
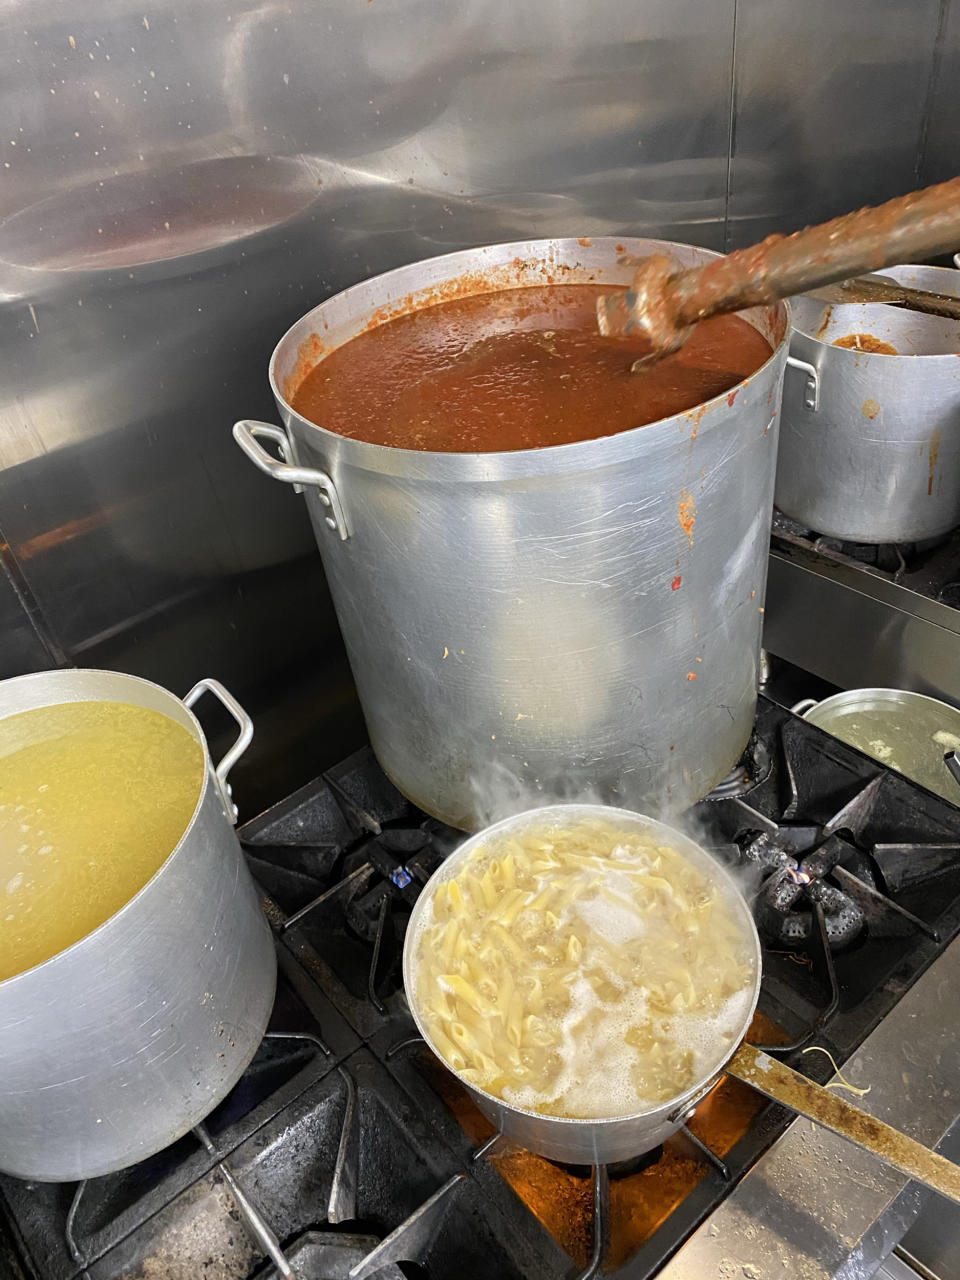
{"x": 578, "y": 620}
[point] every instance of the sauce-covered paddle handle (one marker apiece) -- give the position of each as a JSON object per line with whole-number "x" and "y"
{"x": 662, "y": 304}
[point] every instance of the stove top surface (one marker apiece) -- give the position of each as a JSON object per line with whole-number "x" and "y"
{"x": 931, "y": 568}
{"x": 347, "y": 1149}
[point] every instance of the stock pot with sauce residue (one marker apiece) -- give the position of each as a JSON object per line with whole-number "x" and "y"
{"x": 579, "y": 619}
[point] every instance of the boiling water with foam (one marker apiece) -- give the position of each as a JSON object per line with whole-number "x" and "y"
{"x": 583, "y": 971}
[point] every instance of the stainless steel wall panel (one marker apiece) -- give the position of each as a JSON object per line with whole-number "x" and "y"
{"x": 940, "y": 153}
{"x": 830, "y": 98}
{"x": 181, "y": 182}
{"x": 819, "y": 618}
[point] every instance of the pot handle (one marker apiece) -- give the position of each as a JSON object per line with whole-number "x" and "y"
{"x": 803, "y": 706}
{"x": 811, "y": 392}
{"x": 774, "y": 1079}
{"x": 244, "y": 737}
{"x": 247, "y": 434}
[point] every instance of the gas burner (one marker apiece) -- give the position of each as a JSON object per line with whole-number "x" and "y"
{"x": 888, "y": 557}
{"x": 785, "y": 909}
{"x": 323, "y": 1255}
{"x": 793, "y": 886}
{"x": 928, "y": 566}
{"x": 619, "y": 1169}
{"x": 809, "y": 866}
{"x": 829, "y": 866}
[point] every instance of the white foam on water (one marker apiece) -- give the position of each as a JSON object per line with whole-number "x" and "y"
{"x": 598, "y": 1067}
{"x": 618, "y": 925}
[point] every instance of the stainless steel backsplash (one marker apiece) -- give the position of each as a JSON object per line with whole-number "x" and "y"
{"x": 180, "y": 181}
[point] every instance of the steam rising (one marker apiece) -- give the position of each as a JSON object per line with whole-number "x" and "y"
{"x": 499, "y": 792}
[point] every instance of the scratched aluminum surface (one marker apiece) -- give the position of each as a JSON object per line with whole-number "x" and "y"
{"x": 575, "y": 622}
{"x": 879, "y": 459}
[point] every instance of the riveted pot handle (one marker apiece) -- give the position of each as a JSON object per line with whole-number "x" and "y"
{"x": 222, "y": 770}
{"x": 804, "y": 705}
{"x": 811, "y": 392}
{"x": 248, "y": 435}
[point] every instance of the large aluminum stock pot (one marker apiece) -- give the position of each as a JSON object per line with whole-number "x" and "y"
{"x": 582, "y": 620}
{"x": 587, "y": 1141}
{"x": 870, "y": 443}
{"x": 118, "y": 1045}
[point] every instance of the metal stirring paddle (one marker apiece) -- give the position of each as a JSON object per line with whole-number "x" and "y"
{"x": 662, "y": 304}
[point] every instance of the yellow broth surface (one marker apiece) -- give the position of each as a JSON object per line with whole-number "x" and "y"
{"x": 94, "y": 796}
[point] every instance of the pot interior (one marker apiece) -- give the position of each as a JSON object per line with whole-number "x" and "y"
{"x": 911, "y": 333}
{"x": 63, "y": 899}
{"x": 903, "y": 730}
{"x": 484, "y": 270}
{"x": 564, "y": 815}
{"x": 48, "y": 688}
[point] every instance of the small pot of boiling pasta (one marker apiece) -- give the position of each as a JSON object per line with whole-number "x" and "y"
{"x": 586, "y": 972}
{"x": 589, "y": 973}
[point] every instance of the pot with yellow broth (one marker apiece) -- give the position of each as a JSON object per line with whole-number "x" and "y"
{"x": 137, "y": 971}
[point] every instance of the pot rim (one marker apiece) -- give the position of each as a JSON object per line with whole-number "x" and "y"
{"x": 371, "y": 455}
{"x": 63, "y": 675}
{"x": 850, "y": 697}
{"x": 845, "y": 353}
{"x": 679, "y": 1102}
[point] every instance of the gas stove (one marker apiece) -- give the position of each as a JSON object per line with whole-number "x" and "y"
{"x": 348, "y": 1150}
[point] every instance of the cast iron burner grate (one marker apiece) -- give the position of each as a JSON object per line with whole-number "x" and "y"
{"x": 826, "y": 865}
{"x": 820, "y": 889}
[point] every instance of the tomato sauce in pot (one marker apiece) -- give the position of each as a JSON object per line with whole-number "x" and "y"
{"x": 519, "y": 369}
